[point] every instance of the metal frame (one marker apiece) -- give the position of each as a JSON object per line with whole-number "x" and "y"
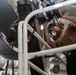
{"x": 23, "y": 41}
{"x": 54, "y": 50}
{"x": 37, "y": 68}
{"x": 20, "y": 57}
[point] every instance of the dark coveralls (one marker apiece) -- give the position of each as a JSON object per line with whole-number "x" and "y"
{"x": 68, "y": 37}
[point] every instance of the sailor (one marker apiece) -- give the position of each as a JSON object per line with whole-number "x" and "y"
{"x": 67, "y": 37}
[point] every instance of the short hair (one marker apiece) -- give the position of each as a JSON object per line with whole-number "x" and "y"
{"x": 61, "y": 26}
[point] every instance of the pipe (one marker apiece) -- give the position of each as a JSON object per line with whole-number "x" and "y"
{"x": 20, "y": 57}
{"x": 37, "y": 36}
{"x": 12, "y": 67}
{"x": 50, "y": 51}
{"x": 25, "y": 48}
{"x": 37, "y": 69}
{"x": 7, "y": 67}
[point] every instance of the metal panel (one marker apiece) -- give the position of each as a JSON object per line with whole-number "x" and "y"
{"x": 7, "y": 17}
{"x": 6, "y": 51}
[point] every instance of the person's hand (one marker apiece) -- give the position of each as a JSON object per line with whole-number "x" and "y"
{"x": 45, "y": 21}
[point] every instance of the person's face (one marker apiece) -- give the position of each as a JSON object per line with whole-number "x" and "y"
{"x": 55, "y": 30}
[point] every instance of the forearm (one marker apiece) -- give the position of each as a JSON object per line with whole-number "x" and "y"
{"x": 46, "y": 34}
{"x": 47, "y": 37}
{"x": 71, "y": 18}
